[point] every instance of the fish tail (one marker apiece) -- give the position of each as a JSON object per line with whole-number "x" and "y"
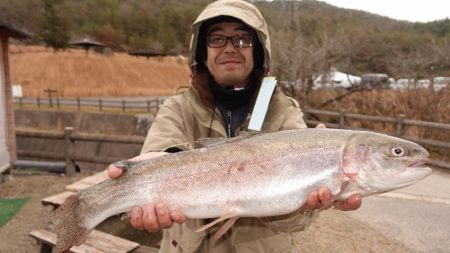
{"x": 66, "y": 221}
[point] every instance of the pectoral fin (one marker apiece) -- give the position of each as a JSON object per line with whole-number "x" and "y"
{"x": 224, "y": 228}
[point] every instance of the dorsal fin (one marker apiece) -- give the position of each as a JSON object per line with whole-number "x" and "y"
{"x": 210, "y": 142}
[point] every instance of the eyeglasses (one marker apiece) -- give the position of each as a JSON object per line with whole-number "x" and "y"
{"x": 238, "y": 41}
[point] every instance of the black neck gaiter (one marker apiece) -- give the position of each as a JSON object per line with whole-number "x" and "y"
{"x": 232, "y": 99}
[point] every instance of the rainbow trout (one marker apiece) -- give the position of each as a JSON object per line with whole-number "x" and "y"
{"x": 247, "y": 176}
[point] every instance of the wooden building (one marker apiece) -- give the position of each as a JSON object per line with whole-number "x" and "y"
{"x": 7, "y": 132}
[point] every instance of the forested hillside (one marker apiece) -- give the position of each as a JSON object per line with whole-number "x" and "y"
{"x": 308, "y": 37}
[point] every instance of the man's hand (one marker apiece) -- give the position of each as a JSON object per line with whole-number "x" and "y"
{"x": 115, "y": 172}
{"x": 321, "y": 198}
{"x": 149, "y": 217}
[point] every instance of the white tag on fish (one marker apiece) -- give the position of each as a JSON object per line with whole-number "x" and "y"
{"x": 262, "y": 103}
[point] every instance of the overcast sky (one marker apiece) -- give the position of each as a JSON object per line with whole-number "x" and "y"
{"x": 410, "y": 10}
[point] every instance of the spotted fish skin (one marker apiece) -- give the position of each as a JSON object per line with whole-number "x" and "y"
{"x": 248, "y": 176}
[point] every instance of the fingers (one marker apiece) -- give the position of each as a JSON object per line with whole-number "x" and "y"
{"x": 351, "y": 203}
{"x": 149, "y": 219}
{"x": 163, "y": 216}
{"x": 321, "y": 125}
{"x": 114, "y": 172}
{"x": 136, "y": 218}
{"x": 312, "y": 201}
{"x": 318, "y": 199}
{"x": 321, "y": 199}
{"x": 154, "y": 218}
{"x": 178, "y": 217}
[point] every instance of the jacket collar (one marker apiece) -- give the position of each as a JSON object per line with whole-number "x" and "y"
{"x": 201, "y": 86}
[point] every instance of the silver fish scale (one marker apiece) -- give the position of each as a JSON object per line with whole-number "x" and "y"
{"x": 248, "y": 173}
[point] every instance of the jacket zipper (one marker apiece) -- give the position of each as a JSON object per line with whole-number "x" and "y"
{"x": 229, "y": 123}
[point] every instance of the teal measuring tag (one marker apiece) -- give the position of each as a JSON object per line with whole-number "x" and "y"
{"x": 262, "y": 103}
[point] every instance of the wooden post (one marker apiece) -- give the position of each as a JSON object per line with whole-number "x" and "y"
{"x": 100, "y": 104}
{"x": 57, "y": 103}
{"x": 68, "y": 154}
{"x": 400, "y": 125}
{"x": 6, "y": 90}
{"x": 123, "y": 105}
{"x": 49, "y": 93}
{"x": 341, "y": 119}
{"x": 46, "y": 248}
{"x": 78, "y": 103}
{"x": 148, "y": 105}
{"x": 38, "y": 100}
{"x": 7, "y": 104}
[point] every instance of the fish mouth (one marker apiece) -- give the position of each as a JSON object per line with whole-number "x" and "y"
{"x": 418, "y": 163}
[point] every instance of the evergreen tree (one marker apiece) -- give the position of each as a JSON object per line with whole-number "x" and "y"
{"x": 54, "y": 29}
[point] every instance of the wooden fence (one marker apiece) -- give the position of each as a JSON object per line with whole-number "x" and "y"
{"x": 340, "y": 119}
{"x": 70, "y": 137}
{"x": 335, "y": 120}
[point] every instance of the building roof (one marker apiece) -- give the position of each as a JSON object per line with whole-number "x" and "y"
{"x": 10, "y": 31}
{"x": 87, "y": 42}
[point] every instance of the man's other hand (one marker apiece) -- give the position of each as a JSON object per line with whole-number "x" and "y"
{"x": 149, "y": 217}
{"x": 321, "y": 199}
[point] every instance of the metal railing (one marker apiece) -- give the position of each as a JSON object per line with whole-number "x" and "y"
{"x": 100, "y": 104}
{"x": 341, "y": 119}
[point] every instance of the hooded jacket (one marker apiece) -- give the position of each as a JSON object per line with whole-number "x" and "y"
{"x": 186, "y": 117}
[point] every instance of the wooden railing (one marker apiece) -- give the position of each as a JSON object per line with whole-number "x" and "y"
{"x": 68, "y": 154}
{"x": 340, "y": 119}
{"x": 335, "y": 120}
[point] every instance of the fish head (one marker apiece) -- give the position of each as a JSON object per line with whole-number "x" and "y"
{"x": 380, "y": 163}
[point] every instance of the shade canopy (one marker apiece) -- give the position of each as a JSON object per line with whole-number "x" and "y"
{"x": 87, "y": 43}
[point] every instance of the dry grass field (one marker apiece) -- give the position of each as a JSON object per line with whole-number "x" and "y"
{"x": 73, "y": 73}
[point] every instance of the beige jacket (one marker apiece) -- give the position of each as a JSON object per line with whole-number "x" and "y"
{"x": 184, "y": 118}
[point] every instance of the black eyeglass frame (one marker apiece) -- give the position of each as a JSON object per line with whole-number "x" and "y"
{"x": 234, "y": 40}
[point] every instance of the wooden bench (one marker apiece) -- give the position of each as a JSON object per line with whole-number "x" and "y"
{"x": 96, "y": 242}
{"x": 57, "y": 199}
{"x": 88, "y": 181}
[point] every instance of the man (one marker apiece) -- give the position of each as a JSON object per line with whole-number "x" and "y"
{"x": 229, "y": 56}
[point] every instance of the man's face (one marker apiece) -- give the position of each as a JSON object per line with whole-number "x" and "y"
{"x": 228, "y": 65}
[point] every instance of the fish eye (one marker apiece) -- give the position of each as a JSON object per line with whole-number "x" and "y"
{"x": 397, "y": 151}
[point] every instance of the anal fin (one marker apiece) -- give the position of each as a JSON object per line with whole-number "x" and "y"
{"x": 214, "y": 222}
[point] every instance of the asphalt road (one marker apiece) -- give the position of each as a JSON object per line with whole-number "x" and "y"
{"x": 417, "y": 216}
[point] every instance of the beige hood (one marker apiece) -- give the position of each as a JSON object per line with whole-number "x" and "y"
{"x": 239, "y": 9}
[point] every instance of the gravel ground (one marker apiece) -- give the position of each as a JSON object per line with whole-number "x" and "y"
{"x": 332, "y": 231}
